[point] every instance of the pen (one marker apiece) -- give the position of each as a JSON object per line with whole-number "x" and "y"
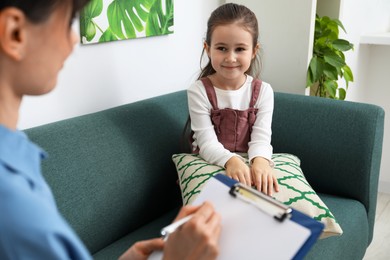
{"x": 175, "y": 225}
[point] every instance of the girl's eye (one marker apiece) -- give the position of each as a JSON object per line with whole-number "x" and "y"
{"x": 221, "y": 48}
{"x": 240, "y": 49}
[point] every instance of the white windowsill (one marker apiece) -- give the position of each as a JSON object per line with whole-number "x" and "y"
{"x": 376, "y": 39}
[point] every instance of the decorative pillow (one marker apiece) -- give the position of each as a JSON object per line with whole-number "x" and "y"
{"x": 193, "y": 173}
{"x": 294, "y": 190}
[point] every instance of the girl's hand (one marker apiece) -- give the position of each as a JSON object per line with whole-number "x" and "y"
{"x": 263, "y": 176}
{"x": 238, "y": 170}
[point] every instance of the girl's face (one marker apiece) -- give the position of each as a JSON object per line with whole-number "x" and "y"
{"x": 231, "y": 52}
{"x": 48, "y": 44}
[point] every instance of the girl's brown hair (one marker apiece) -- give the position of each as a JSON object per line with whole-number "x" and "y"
{"x": 228, "y": 14}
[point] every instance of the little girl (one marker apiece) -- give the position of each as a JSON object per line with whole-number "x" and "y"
{"x": 230, "y": 109}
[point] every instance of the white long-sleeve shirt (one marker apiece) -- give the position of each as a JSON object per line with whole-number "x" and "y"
{"x": 205, "y": 137}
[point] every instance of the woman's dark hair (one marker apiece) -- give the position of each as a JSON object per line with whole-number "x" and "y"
{"x": 228, "y": 14}
{"x": 39, "y": 10}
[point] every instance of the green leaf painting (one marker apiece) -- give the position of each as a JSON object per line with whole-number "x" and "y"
{"x": 111, "y": 20}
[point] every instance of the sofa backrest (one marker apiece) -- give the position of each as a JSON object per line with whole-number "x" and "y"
{"x": 111, "y": 171}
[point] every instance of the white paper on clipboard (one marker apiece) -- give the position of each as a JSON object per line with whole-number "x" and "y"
{"x": 249, "y": 233}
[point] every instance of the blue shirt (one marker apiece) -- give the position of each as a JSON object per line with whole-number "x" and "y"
{"x": 31, "y": 226}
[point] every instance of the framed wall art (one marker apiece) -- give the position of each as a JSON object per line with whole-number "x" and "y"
{"x": 113, "y": 20}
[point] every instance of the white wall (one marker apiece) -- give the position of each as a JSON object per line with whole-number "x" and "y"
{"x": 105, "y": 75}
{"x": 370, "y": 63}
{"x": 286, "y": 29}
{"x": 377, "y": 91}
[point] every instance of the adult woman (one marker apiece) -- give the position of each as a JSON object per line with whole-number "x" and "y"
{"x": 35, "y": 40}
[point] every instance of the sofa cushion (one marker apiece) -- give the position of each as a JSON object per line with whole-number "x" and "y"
{"x": 294, "y": 191}
{"x": 352, "y": 216}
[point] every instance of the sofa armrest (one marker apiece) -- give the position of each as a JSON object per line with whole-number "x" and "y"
{"x": 339, "y": 144}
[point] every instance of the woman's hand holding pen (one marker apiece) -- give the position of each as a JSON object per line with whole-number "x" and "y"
{"x": 263, "y": 176}
{"x": 142, "y": 249}
{"x": 238, "y": 170}
{"x": 197, "y": 238}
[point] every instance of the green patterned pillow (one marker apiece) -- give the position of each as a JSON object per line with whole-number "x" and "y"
{"x": 294, "y": 190}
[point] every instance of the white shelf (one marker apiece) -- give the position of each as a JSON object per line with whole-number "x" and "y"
{"x": 376, "y": 38}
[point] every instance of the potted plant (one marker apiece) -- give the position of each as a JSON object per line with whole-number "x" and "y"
{"x": 328, "y": 62}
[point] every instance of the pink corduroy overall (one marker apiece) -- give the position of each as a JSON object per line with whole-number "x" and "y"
{"x": 232, "y": 126}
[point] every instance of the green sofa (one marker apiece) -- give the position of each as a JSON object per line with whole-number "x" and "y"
{"x": 114, "y": 181}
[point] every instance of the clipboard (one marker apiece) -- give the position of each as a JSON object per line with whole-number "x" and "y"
{"x": 255, "y": 226}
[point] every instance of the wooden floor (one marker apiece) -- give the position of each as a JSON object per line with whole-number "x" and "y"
{"x": 380, "y": 245}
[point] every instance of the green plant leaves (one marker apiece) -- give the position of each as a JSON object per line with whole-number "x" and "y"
{"x": 129, "y": 13}
{"x": 330, "y": 72}
{"x": 107, "y": 36}
{"x": 87, "y": 26}
{"x": 342, "y": 45}
{"x": 326, "y": 28}
{"x": 339, "y": 24}
{"x": 128, "y": 19}
{"x": 334, "y": 60}
{"x": 331, "y": 88}
{"x": 159, "y": 23}
{"x": 328, "y": 62}
{"x": 342, "y": 93}
{"x": 315, "y": 70}
{"x": 348, "y": 76}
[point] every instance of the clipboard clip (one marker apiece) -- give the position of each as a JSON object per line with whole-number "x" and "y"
{"x": 263, "y": 202}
